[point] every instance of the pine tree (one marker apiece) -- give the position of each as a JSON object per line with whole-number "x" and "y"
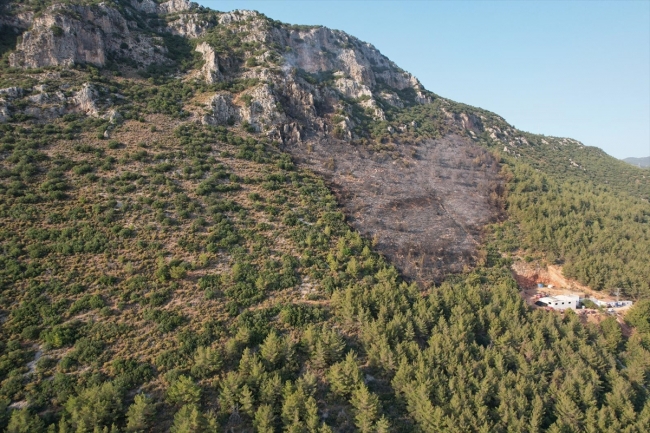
{"x": 568, "y": 412}
{"x": 352, "y": 268}
{"x": 98, "y": 405}
{"x": 207, "y": 361}
{"x": 63, "y": 425}
{"x": 428, "y": 416}
{"x": 345, "y": 376}
{"x": 264, "y": 419}
{"x": 23, "y": 421}
{"x": 311, "y": 415}
{"x": 366, "y": 405}
{"x": 293, "y": 406}
{"x": 229, "y": 394}
{"x": 319, "y": 356}
{"x": 139, "y": 414}
{"x": 184, "y": 392}
{"x": 536, "y": 415}
{"x": 334, "y": 344}
{"x": 382, "y": 426}
{"x": 189, "y": 420}
{"x": 324, "y": 428}
{"x": 247, "y": 401}
{"x": 272, "y": 349}
{"x": 271, "y": 389}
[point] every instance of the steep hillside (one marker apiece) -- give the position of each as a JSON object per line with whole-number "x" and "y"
{"x": 219, "y": 222}
{"x": 312, "y": 89}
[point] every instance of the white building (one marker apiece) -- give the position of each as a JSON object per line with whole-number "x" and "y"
{"x": 560, "y": 302}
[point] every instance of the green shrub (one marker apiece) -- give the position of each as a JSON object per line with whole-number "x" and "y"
{"x": 61, "y": 335}
{"x": 98, "y": 406}
{"x": 183, "y": 391}
{"x": 56, "y": 30}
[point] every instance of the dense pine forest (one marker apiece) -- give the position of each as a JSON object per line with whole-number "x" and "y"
{"x": 159, "y": 273}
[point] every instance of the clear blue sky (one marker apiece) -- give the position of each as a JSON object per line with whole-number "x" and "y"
{"x": 576, "y": 69}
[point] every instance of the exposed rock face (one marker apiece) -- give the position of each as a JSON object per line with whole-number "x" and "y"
{"x": 357, "y": 72}
{"x": 189, "y": 25}
{"x": 321, "y": 49}
{"x": 258, "y": 107}
{"x": 352, "y": 89}
{"x": 237, "y": 16}
{"x": 210, "y": 70}
{"x": 11, "y": 92}
{"x": 146, "y": 6}
{"x": 4, "y": 111}
{"x": 223, "y": 111}
{"x": 56, "y": 39}
{"x": 65, "y": 35}
{"x": 471, "y": 122}
{"x": 85, "y": 100}
{"x": 392, "y": 99}
{"x": 7, "y": 95}
{"x": 174, "y": 6}
{"x": 262, "y": 111}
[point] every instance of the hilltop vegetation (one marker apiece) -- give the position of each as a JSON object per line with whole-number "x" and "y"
{"x": 167, "y": 268}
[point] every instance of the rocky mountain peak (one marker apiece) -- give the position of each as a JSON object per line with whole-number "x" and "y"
{"x": 169, "y": 7}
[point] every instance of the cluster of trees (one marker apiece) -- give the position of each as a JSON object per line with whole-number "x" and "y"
{"x": 602, "y": 237}
{"x": 468, "y": 356}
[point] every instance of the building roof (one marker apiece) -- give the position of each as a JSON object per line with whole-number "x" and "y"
{"x": 566, "y": 297}
{"x": 559, "y": 298}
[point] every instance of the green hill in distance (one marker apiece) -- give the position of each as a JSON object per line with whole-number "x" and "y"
{"x": 639, "y": 162}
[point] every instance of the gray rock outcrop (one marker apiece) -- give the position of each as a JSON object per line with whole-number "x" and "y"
{"x": 189, "y": 25}
{"x": 262, "y": 109}
{"x": 222, "y": 110}
{"x": 4, "y": 111}
{"x": 85, "y": 100}
{"x": 11, "y": 92}
{"x": 210, "y": 70}
{"x": 64, "y": 35}
{"x": 175, "y": 6}
{"x": 146, "y": 6}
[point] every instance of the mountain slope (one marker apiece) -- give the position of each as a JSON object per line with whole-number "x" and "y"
{"x": 312, "y": 89}
{"x": 227, "y": 223}
{"x": 639, "y": 162}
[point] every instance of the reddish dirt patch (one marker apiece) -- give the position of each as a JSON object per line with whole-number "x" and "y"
{"x": 529, "y": 275}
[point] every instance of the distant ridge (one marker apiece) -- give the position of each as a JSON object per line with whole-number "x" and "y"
{"x": 639, "y": 162}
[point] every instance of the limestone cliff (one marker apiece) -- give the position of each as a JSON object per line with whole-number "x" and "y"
{"x": 67, "y": 34}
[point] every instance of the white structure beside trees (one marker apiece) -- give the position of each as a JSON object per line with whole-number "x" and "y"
{"x": 560, "y": 302}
